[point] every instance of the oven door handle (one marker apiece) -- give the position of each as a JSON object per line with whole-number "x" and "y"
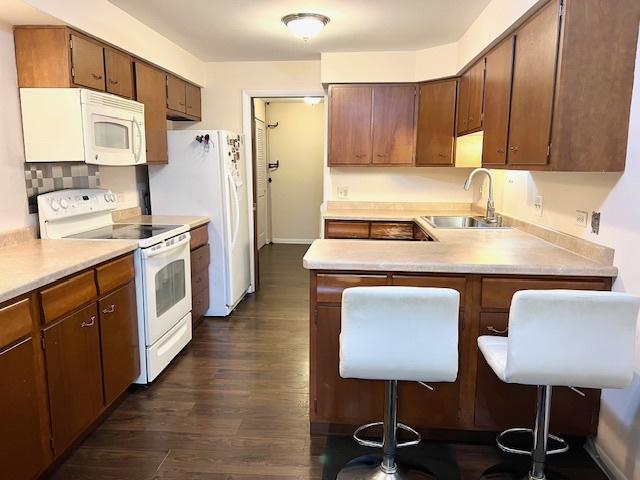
{"x": 149, "y": 254}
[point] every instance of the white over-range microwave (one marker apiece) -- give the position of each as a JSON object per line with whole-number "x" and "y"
{"x": 80, "y": 125}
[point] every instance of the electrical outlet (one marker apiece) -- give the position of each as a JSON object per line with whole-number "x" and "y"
{"x": 538, "y": 204}
{"x": 120, "y": 197}
{"x": 343, "y": 192}
{"x": 582, "y": 218}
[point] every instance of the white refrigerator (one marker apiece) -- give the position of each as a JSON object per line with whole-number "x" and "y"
{"x": 206, "y": 175}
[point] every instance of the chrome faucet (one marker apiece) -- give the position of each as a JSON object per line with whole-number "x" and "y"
{"x": 491, "y": 209}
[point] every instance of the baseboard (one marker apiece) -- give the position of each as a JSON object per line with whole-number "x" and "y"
{"x": 300, "y": 241}
{"x": 603, "y": 461}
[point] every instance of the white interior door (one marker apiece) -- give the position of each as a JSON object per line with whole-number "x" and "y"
{"x": 261, "y": 183}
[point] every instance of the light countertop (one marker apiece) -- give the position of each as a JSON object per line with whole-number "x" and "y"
{"x": 193, "y": 222}
{"x": 476, "y": 251}
{"x": 33, "y": 264}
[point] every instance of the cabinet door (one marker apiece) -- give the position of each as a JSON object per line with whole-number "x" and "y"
{"x": 119, "y": 341}
{"x": 497, "y": 97}
{"x": 21, "y": 451}
{"x": 151, "y": 90}
{"x": 462, "y": 113}
{"x": 394, "y": 124}
{"x": 176, "y": 94}
{"x": 193, "y": 100}
{"x": 87, "y": 63}
{"x": 340, "y": 400}
{"x": 350, "y": 110}
{"x": 476, "y": 94}
{"x": 534, "y": 72}
{"x": 119, "y": 73}
{"x": 72, "y": 357}
{"x": 495, "y": 400}
{"x": 436, "y": 123}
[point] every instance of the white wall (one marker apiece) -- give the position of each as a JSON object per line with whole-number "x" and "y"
{"x": 296, "y": 191}
{"x": 617, "y": 197}
{"x": 14, "y": 212}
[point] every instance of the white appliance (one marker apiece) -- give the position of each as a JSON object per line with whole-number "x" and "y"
{"x": 80, "y": 125}
{"x": 162, "y": 264}
{"x": 206, "y": 175}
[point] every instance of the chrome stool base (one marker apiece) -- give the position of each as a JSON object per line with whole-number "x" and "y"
{"x": 369, "y": 467}
{"x": 517, "y": 472}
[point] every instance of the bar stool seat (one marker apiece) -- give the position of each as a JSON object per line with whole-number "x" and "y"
{"x": 570, "y": 338}
{"x": 392, "y": 334}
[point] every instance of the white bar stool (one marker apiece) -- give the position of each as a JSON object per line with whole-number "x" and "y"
{"x": 571, "y": 338}
{"x": 391, "y": 334}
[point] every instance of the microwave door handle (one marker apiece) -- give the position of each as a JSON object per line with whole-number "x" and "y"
{"x": 167, "y": 249}
{"x": 139, "y": 149}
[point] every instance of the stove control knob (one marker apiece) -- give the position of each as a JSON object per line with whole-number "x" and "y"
{"x": 107, "y": 198}
{"x": 112, "y": 196}
{"x": 55, "y": 206}
{"x": 63, "y": 203}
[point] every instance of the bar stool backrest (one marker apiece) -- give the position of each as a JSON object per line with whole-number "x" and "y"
{"x": 400, "y": 333}
{"x": 572, "y": 338}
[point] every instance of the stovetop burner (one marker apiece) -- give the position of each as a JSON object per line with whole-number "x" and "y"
{"x": 124, "y": 231}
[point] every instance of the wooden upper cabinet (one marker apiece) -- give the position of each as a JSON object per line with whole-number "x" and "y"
{"x": 193, "y": 101}
{"x": 436, "y": 123}
{"x": 350, "y": 139}
{"x": 151, "y": 90}
{"x": 393, "y": 124}
{"x": 476, "y": 95}
{"x": 87, "y": 63}
{"x": 72, "y": 357}
{"x": 118, "y": 66}
{"x": 534, "y": 72}
{"x": 497, "y": 97}
{"x": 176, "y": 94}
{"x": 462, "y": 119}
{"x": 470, "y": 94}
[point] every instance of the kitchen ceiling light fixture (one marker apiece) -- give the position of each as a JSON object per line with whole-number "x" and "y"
{"x": 305, "y": 25}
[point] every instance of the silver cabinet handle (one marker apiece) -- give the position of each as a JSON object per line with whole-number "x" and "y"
{"x": 90, "y": 323}
{"x": 110, "y": 309}
{"x": 579, "y": 392}
{"x": 513, "y": 149}
{"x": 495, "y": 330}
{"x": 426, "y": 385}
{"x": 97, "y": 77}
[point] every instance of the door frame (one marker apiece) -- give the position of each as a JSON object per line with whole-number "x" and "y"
{"x": 247, "y": 132}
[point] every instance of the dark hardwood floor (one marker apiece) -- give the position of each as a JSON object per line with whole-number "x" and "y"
{"x": 233, "y": 405}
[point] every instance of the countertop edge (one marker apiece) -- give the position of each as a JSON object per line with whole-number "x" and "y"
{"x": 49, "y": 278}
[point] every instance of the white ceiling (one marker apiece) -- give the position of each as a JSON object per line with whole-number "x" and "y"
{"x": 218, "y": 30}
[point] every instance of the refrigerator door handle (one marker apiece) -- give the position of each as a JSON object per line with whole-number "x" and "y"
{"x": 236, "y": 201}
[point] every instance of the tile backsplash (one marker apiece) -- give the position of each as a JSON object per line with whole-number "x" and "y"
{"x": 47, "y": 177}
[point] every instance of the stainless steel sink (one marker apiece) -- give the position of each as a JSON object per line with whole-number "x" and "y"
{"x": 462, "y": 221}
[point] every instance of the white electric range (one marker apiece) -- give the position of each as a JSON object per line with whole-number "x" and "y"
{"x": 162, "y": 264}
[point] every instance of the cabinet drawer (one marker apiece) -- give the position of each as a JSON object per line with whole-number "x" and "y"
{"x": 15, "y": 322}
{"x": 456, "y": 283}
{"x": 391, "y": 231}
{"x": 199, "y": 280}
{"x": 200, "y": 258}
{"x": 68, "y": 295}
{"x": 340, "y": 229}
{"x": 115, "y": 274}
{"x": 330, "y": 287}
{"x": 199, "y": 237}
{"x": 497, "y": 292}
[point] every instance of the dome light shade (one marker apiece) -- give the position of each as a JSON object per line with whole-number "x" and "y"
{"x": 305, "y": 25}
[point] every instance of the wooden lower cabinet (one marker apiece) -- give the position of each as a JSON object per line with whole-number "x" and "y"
{"x": 477, "y": 401}
{"x": 74, "y": 374}
{"x": 119, "y": 341}
{"x": 373, "y": 230}
{"x": 200, "y": 262}
{"x": 21, "y": 451}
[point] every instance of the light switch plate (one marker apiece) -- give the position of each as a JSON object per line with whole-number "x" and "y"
{"x": 538, "y": 205}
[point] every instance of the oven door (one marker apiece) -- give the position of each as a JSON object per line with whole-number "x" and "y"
{"x": 166, "y": 270}
{"x": 113, "y": 136}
